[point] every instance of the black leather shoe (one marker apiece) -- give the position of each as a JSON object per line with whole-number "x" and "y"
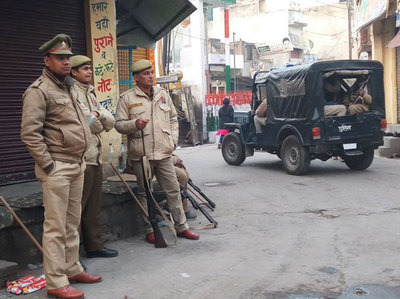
{"x": 190, "y": 215}
{"x": 105, "y": 252}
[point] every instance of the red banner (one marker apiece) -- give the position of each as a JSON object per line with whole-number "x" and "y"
{"x": 235, "y": 98}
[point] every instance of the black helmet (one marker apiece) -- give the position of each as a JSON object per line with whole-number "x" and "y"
{"x": 225, "y": 101}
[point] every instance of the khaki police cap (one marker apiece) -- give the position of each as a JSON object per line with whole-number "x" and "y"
{"x": 79, "y": 60}
{"x": 141, "y": 65}
{"x": 58, "y": 45}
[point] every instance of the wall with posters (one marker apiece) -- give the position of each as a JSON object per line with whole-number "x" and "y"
{"x": 103, "y": 50}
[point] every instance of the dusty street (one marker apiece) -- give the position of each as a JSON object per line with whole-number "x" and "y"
{"x": 279, "y": 236}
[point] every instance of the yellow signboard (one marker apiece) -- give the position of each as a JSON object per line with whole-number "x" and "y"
{"x": 103, "y": 40}
{"x": 104, "y": 52}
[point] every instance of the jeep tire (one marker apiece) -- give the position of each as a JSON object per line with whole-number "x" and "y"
{"x": 233, "y": 150}
{"x": 295, "y": 157}
{"x": 360, "y": 162}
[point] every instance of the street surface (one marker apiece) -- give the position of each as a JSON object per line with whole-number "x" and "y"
{"x": 331, "y": 233}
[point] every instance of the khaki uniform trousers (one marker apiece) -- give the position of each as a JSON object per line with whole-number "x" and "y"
{"x": 62, "y": 193}
{"x": 335, "y": 110}
{"x": 259, "y": 122}
{"x": 92, "y": 200}
{"x": 357, "y": 109}
{"x": 166, "y": 177}
{"x": 183, "y": 178}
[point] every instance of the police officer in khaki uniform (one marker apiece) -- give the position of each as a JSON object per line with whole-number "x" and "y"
{"x": 359, "y": 102}
{"x": 332, "y": 87}
{"x": 56, "y": 134}
{"x": 100, "y": 119}
{"x": 260, "y": 119}
{"x": 150, "y": 108}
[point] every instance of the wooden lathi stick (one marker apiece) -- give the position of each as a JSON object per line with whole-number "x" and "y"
{"x": 15, "y": 216}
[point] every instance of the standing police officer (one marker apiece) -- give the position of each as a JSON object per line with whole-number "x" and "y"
{"x": 56, "y": 134}
{"x": 150, "y": 109}
{"x": 100, "y": 119}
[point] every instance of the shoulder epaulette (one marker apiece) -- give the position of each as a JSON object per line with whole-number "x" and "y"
{"x": 125, "y": 92}
{"x": 38, "y": 82}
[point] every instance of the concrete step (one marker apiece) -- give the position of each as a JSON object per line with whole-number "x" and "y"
{"x": 120, "y": 218}
{"x": 393, "y": 142}
{"x": 390, "y": 148}
{"x": 7, "y": 270}
{"x": 384, "y": 151}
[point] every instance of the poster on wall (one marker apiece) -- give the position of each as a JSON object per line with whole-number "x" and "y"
{"x": 104, "y": 52}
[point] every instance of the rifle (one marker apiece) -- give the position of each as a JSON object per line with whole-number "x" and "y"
{"x": 152, "y": 205}
{"x": 197, "y": 206}
{"x": 201, "y": 193}
{"x": 203, "y": 202}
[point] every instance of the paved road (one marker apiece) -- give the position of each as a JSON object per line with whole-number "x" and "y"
{"x": 333, "y": 232}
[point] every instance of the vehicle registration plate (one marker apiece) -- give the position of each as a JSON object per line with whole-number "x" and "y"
{"x": 349, "y": 146}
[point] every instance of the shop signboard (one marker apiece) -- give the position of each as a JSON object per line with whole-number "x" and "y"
{"x": 104, "y": 52}
{"x": 103, "y": 39}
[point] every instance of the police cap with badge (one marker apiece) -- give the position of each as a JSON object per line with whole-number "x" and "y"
{"x": 58, "y": 45}
{"x": 141, "y": 65}
{"x": 79, "y": 60}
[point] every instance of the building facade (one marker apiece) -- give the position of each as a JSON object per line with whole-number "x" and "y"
{"x": 376, "y": 24}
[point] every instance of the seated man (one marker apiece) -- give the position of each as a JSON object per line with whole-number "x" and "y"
{"x": 334, "y": 110}
{"x": 332, "y": 88}
{"x": 260, "y": 119}
{"x": 183, "y": 178}
{"x": 359, "y": 102}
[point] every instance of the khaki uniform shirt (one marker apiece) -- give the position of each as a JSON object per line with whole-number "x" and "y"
{"x": 160, "y": 133}
{"x": 53, "y": 126}
{"x": 262, "y": 109}
{"x": 105, "y": 122}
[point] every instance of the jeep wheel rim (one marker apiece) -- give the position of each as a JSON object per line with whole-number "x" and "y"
{"x": 232, "y": 149}
{"x": 294, "y": 155}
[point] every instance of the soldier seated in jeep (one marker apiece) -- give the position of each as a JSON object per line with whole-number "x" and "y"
{"x": 332, "y": 88}
{"x": 359, "y": 102}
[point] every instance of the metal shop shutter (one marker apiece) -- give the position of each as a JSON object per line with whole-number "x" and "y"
{"x": 25, "y": 26}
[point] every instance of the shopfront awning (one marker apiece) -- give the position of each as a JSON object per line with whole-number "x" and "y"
{"x": 143, "y": 22}
{"x": 370, "y": 11}
{"x": 395, "y": 42}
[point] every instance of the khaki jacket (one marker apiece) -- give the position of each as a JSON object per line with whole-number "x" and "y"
{"x": 105, "y": 122}
{"x": 262, "y": 109}
{"x": 53, "y": 126}
{"x": 160, "y": 133}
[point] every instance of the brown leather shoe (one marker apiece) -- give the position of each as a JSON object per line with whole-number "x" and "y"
{"x": 188, "y": 234}
{"x": 85, "y": 277}
{"x": 66, "y": 292}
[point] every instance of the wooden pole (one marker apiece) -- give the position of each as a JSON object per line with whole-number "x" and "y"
{"x": 15, "y": 216}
